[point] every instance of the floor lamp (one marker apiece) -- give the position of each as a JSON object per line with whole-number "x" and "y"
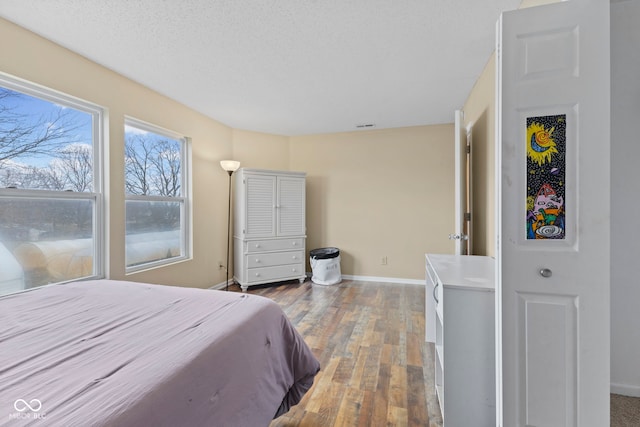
{"x": 230, "y": 166}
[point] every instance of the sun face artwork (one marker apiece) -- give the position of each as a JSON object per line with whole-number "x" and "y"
{"x": 541, "y": 146}
{"x": 546, "y": 164}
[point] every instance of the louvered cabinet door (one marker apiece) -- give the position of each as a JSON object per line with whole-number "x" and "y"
{"x": 260, "y": 202}
{"x": 290, "y": 206}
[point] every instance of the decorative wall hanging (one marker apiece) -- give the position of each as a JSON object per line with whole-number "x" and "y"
{"x": 546, "y": 164}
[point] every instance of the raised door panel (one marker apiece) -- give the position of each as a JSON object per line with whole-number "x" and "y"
{"x": 291, "y": 206}
{"x": 260, "y": 202}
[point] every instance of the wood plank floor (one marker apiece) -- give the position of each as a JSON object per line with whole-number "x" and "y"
{"x": 376, "y": 369}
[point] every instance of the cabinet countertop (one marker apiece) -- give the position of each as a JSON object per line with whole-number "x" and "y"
{"x": 465, "y": 271}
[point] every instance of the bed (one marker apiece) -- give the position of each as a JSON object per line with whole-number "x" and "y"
{"x": 115, "y": 353}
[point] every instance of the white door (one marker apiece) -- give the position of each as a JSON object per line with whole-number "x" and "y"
{"x": 462, "y": 190}
{"x": 553, "y": 215}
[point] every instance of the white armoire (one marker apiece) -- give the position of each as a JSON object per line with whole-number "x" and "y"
{"x": 269, "y": 226}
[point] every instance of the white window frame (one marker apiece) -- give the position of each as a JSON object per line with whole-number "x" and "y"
{"x": 99, "y": 115}
{"x": 184, "y": 199}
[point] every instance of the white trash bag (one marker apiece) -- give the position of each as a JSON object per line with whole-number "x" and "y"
{"x": 325, "y": 266}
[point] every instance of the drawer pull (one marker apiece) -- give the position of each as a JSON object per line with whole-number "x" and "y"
{"x": 257, "y": 274}
{"x": 257, "y": 260}
{"x": 293, "y": 269}
{"x": 435, "y": 296}
{"x": 294, "y": 257}
{"x": 295, "y": 243}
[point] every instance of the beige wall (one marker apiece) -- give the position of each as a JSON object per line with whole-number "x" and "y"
{"x": 379, "y": 193}
{"x": 374, "y": 194}
{"x": 479, "y": 115}
{"x": 259, "y": 150}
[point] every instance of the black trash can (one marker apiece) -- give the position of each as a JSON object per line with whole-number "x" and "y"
{"x": 325, "y": 266}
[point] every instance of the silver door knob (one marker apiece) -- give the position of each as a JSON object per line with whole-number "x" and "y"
{"x": 545, "y": 272}
{"x": 458, "y": 237}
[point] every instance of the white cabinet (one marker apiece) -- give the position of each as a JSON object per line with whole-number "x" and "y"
{"x": 460, "y": 303}
{"x": 269, "y": 226}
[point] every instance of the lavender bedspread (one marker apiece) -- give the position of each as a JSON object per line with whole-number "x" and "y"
{"x": 113, "y": 353}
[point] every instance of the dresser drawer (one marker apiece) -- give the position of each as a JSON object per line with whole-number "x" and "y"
{"x": 278, "y": 272}
{"x": 269, "y": 259}
{"x": 254, "y": 246}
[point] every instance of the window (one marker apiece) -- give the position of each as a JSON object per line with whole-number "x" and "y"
{"x": 51, "y": 198}
{"x": 156, "y": 195}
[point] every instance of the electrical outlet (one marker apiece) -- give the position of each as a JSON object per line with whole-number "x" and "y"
{"x": 383, "y": 260}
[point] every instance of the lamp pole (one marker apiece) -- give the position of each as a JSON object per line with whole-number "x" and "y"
{"x": 230, "y": 166}
{"x": 228, "y": 231}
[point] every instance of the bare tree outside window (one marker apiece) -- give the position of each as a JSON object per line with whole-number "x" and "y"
{"x": 73, "y": 167}
{"x": 43, "y": 145}
{"x": 155, "y": 205}
{"x": 47, "y": 194}
{"x": 152, "y": 165}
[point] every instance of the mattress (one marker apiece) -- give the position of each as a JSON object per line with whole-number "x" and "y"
{"x": 115, "y": 353}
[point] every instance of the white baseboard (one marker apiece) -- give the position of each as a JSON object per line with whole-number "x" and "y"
{"x": 397, "y": 280}
{"x": 393, "y": 280}
{"x": 220, "y": 286}
{"x": 625, "y": 389}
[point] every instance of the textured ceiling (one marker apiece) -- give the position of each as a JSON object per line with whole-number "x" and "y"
{"x": 287, "y": 67}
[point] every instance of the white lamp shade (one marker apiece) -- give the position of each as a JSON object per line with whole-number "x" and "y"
{"x": 230, "y": 165}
